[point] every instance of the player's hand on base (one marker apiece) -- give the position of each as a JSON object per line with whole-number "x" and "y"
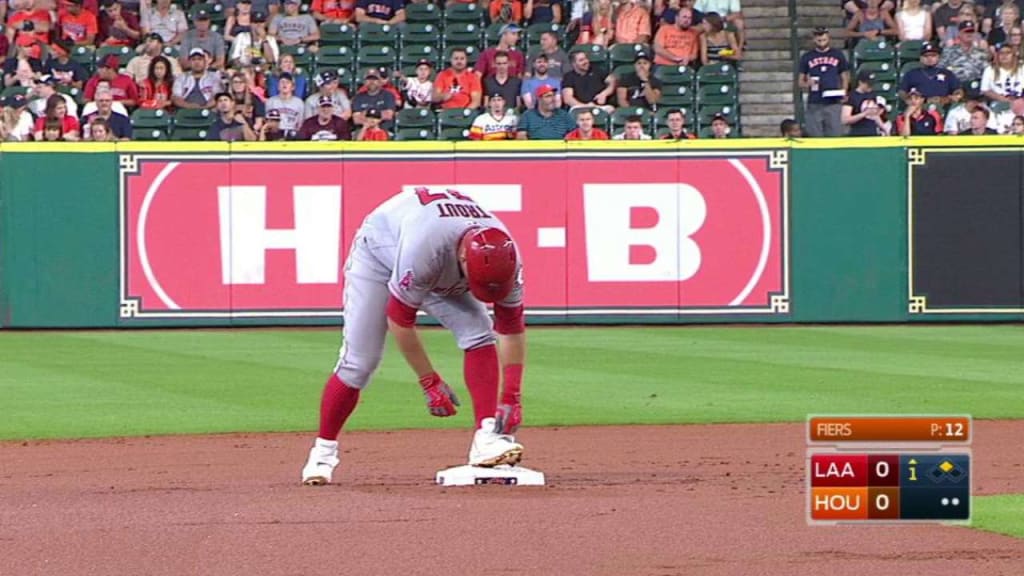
{"x": 508, "y": 418}
{"x": 441, "y": 401}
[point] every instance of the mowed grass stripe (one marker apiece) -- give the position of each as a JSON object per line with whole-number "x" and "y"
{"x": 71, "y": 384}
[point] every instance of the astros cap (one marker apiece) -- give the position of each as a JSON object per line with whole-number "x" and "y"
{"x": 491, "y": 259}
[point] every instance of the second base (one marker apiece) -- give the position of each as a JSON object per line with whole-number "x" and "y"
{"x": 474, "y": 475}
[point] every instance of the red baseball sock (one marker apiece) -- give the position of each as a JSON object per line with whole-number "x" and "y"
{"x": 336, "y": 404}
{"x": 480, "y": 369}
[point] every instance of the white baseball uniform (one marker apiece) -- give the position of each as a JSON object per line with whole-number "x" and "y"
{"x": 408, "y": 248}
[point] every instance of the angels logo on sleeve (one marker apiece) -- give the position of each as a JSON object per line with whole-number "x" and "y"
{"x": 406, "y": 282}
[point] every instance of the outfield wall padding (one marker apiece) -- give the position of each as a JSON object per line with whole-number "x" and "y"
{"x": 212, "y": 234}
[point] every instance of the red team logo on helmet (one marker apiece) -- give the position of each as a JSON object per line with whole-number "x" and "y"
{"x": 491, "y": 262}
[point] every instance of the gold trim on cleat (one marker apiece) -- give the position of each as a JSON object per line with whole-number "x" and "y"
{"x": 510, "y": 457}
{"x": 315, "y": 481}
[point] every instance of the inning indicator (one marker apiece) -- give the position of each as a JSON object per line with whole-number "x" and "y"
{"x": 888, "y": 469}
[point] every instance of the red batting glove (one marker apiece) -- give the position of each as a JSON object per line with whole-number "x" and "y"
{"x": 508, "y": 418}
{"x": 441, "y": 401}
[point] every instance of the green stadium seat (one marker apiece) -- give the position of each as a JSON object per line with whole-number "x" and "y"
{"x": 534, "y": 31}
{"x": 415, "y": 118}
{"x": 333, "y": 34}
{"x": 620, "y": 116}
{"x": 192, "y": 118}
{"x": 597, "y": 54}
{"x": 14, "y": 91}
{"x": 415, "y": 134}
{"x": 677, "y": 96}
{"x": 421, "y": 34}
{"x": 336, "y": 56}
{"x": 86, "y": 57}
{"x": 377, "y": 56}
{"x": 148, "y": 134}
{"x": 717, "y": 94}
{"x": 718, "y": 73}
{"x": 909, "y": 50}
{"x": 410, "y": 55}
{"x": 873, "y": 51}
{"x": 123, "y": 53}
{"x": 189, "y": 134}
{"x": 462, "y": 12}
{"x": 675, "y": 75}
{"x": 373, "y": 34}
{"x": 706, "y": 113}
{"x": 303, "y": 57}
{"x": 492, "y": 34}
{"x": 462, "y": 34}
{"x": 626, "y": 53}
{"x": 455, "y": 117}
{"x": 422, "y": 14}
{"x": 880, "y": 71}
{"x": 172, "y": 52}
{"x": 151, "y": 119}
{"x": 454, "y": 133}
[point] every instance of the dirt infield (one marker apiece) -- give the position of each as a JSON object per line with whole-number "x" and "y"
{"x": 620, "y": 501}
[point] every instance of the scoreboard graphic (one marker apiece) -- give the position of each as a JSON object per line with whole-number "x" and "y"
{"x": 888, "y": 469}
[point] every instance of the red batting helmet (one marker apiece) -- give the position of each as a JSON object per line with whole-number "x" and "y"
{"x": 491, "y": 259}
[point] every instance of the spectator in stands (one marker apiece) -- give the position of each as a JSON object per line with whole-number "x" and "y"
{"x": 269, "y": 8}
{"x": 720, "y": 126}
{"x": 121, "y": 85}
{"x": 918, "y": 119}
{"x": 419, "y": 91}
{"x": 139, "y": 66}
{"x": 639, "y": 88}
{"x": 229, "y": 124}
{"x": 633, "y": 130}
{"x": 371, "y": 130}
{"x": 286, "y": 65}
{"x": 57, "y": 112}
{"x": 325, "y": 124}
{"x": 790, "y": 128}
{"x": 40, "y": 95}
{"x": 559, "y": 63}
{"x": 458, "y": 86}
{"x": 156, "y": 91}
{"x": 250, "y": 41}
{"x": 1003, "y": 80}
{"x": 1009, "y": 17}
{"x": 334, "y": 11}
{"x": 542, "y": 12}
{"x": 965, "y": 58}
{"x": 380, "y": 11}
{"x": 979, "y": 123}
{"x": 676, "y": 122}
{"x": 586, "y": 85}
{"x": 239, "y": 22}
{"x": 120, "y": 126}
{"x": 507, "y": 42}
{"x": 16, "y": 124}
{"x": 203, "y": 37}
{"x": 958, "y": 119}
{"x": 994, "y": 14}
{"x": 946, "y": 16}
{"x": 68, "y": 73}
{"x": 728, "y": 10}
{"x": 98, "y": 130}
{"x": 667, "y": 14}
{"x": 291, "y": 108}
{"x": 934, "y": 82}
{"x": 52, "y": 132}
{"x": 501, "y": 82}
{"x": 271, "y": 129}
{"x": 824, "y": 73}
{"x": 1017, "y": 126}
{"x": 23, "y": 71}
{"x": 913, "y": 21}
{"x": 546, "y": 121}
{"x": 633, "y": 23}
{"x": 862, "y": 112}
{"x": 967, "y": 14}
{"x": 678, "y": 44}
{"x": 497, "y": 123}
{"x": 246, "y": 101}
{"x": 28, "y": 26}
{"x": 119, "y": 26}
{"x": 1002, "y": 122}
{"x": 505, "y": 11}
{"x": 718, "y": 44}
{"x": 585, "y": 129}
{"x": 540, "y": 77}
{"x": 254, "y": 81}
{"x": 165, "y": 19}
{"x": 852, "y": 7}
{"x": 197, "y": 88}
{"x": 295, "y": 29}
{"x": 871, "y": 23}
{"x": 374, "y": 98}
{"x": 597, "y": 26}
{"x": 327, "y": 87}
{"x": 76, "y": 25}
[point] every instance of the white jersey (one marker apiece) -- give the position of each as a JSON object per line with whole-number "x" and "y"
{"x": 416, "y": 235}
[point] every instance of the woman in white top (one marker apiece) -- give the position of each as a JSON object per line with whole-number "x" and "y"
{"x": 1003, "y": 80}
{"x": 914, "y": 22}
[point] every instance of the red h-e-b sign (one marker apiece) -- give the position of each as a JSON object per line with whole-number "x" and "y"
{"x": 266, "y": 237}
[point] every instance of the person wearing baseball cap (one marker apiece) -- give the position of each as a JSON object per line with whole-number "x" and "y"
{"x": 203, "y": 37}
{"x": 508, "y": 40}
{"x": 540, "y": 77}
{"x": 122, "y": 87}
{"x": 639, "y": 88}
{"x": 373, "y": 96}
{"x": 547, "y": 121}
{"x": 76, "y": 25}
{"x": 825, "y": 75}
{"x": 719, "y": 126}
{"x": 327, "y": 85}
{"x": 418, "y": 90}
{"x": 931, "y": 80}
{"x": 271, "y": 130}
{"x": 371, "y": 130}
{"x": 861, "y": 112}
{"x": 23, "y": 127}
{"x": 919, "y": 119}
{"x": 966, "y": 58}
{"x": 230, "y": 124}
{"x": 325, "y": 125}
{"x": 118, "y": 25}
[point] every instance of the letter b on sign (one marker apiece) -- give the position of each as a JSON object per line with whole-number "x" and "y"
{"x": 680, "y": 212}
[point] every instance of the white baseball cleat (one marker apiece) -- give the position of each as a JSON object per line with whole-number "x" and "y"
{"x": 490, "y": 449}
{"x": 323, "y": 458}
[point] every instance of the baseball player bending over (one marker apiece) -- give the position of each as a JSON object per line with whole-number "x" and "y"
{"x": 437, "y": 250}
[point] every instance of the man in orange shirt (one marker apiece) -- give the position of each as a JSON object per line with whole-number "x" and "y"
{"x": 77, "y": 25}
{"x": 633, "y": 23}
{"x": 28, "y": 27}
{"x": 334, "y": 11}
{"x": 458, "y": 86}
{"x": 585, "y": 128}
{"x": 677, "y": 45}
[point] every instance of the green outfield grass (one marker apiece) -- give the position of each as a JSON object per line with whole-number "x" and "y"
{"x": 1003, "y": 514}
{"x": 87, "y": 384}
